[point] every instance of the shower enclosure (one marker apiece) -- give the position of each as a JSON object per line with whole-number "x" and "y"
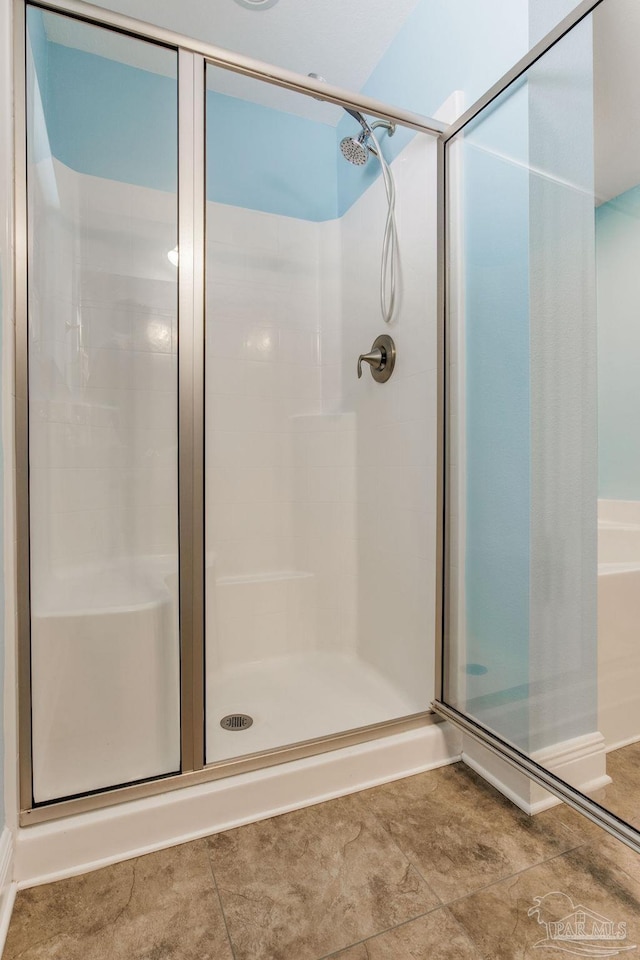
{"x": 227, "y": 540}
{"x": 233, "y": 550}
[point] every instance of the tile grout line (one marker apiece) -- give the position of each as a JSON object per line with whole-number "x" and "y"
{"x": 437, "y": 906}
{"x": 475, "y": 946}
{"x": 444, "y": 905}
{"x": 224, "y": 916}
{"x": 512, "y": 876}
{"x": 381, "y": 933}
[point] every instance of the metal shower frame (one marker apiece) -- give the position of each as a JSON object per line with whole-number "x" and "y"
{"x": 193, "y": 55}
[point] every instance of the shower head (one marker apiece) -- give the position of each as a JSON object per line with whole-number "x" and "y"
{"x": 355, "y": 149}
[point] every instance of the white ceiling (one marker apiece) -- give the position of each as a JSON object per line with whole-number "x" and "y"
{"x": 617, "y": 97}
{"x": 342, "y": 40}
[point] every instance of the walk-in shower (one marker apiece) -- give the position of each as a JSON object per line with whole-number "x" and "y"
{"x": 230, "y": 546}
{"x": 207, "y": 570}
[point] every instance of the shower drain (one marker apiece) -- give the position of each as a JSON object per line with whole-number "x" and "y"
{"x": 236, "y": 721}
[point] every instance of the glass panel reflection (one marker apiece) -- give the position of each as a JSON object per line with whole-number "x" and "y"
{"x": 102, "y": 144}
{"x": 544, "y": 473}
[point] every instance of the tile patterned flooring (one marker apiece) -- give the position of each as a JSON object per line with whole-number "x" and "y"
{"x": 435, "y": 867}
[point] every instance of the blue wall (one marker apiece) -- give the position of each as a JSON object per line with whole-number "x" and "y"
{"x": 498, "y": 437}
{"x": 442, "y": 47}
{"x": 617, "y": 259}
{"x": 111, "y": 120}
{"x": 269, "y": 160}
{"x": 257, "y": 157}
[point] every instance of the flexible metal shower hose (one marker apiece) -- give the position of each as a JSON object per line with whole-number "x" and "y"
{"x": 389, "y": 262}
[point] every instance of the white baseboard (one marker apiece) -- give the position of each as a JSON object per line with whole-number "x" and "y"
{"x": 581, "y": 762}
{"x": 622, "y": 743}
{"x": 7, "y": 886}
{"x": 78, "y": 844}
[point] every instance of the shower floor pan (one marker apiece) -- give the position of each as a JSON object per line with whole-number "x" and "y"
{"x": 298, "y": 697}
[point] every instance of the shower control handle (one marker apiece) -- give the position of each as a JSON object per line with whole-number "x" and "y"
{"x": 381, "y": 358}
{"x": 374, "y": 358}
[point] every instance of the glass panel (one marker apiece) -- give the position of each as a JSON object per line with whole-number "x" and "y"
{"x": 489, "y": 490}
{"x": 102, "y": 155}
{"x": 616, "y": 39}
{"x": 544, "y": 563}
{"x": 320, "y": 487}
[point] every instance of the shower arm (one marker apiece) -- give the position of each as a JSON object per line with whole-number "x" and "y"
{"x": 388, "y": 126}
{"x": 367, "y": 127}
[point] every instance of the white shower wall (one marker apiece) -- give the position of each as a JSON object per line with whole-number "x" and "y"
{"x": 320, "y": 488}
{"x": 280, "y": 455}
{"x": 396, "y": 425}
{"x": 103, "y": 374}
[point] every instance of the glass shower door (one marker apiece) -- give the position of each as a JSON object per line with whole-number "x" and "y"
{"x": 543, "y": 493}
{"x": 102, "y": 346}
{"x": 320, "y": 553}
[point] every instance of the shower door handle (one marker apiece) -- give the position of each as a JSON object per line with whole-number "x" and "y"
{"x": 381, "y": 358}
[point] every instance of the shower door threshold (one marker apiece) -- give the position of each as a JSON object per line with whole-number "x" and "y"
{"x": 69, "y": 806}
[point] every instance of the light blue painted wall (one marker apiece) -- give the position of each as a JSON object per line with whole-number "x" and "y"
{"x": 498, "y": 435}
{"x": 112, "y": 120}
{"x": 617, "y": 259}
{"x": 269, "y": 160}
{"x": 119, "y": 122}
{"x": 39, "y": 45}
{"x": 442, "y": 47}
{"x": 563, "y": 656}
{"x": 260, "y": 158}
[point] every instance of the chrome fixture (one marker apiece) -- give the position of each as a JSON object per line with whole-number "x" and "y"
{"x": 361, "y": 144}
{"x": 381, "y": 358}
{"x": 356, "y": 150}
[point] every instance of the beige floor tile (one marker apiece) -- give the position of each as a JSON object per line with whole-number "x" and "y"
{"x": 302, "y": 885}
{"x": 159, "y": 907}
{"x": 462, "y": 834}
{"x": 499, "y": 922}
{"x": 623, "y": 856}
{"x": 562, "y": 816}
{"x": 438, "y": 936}
{"x": 622, "y": 796}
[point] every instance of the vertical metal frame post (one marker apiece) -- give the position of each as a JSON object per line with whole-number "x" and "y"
{"x": 441, "y": 506}
{"x": 23, "y": 575}
{"x": 191, "y": 214}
